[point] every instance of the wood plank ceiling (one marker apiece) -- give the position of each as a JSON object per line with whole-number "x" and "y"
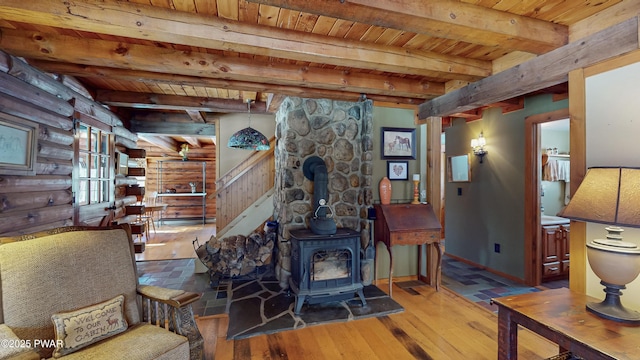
{"x": 191, "y": 60}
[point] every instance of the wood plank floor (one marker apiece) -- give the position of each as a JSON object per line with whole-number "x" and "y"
{"x": 174, "y": 241}
{"x": 434, "y": 325}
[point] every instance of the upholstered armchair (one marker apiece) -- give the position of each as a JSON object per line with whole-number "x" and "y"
{"x": 73, "y": 292}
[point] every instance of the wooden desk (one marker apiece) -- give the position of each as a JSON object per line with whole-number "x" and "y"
{"x": 409, "y": 224}
{"x": 560, "y": 316}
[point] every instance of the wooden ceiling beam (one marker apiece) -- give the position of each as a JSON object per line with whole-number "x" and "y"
{"x": 250, "y": 95}
{"x": 94, "y": 53}
{"x": 510, "y": 105}
{"x": 172, "y": 129}
{"x": 196, "y": 116}
{"x": 163, "y": 142}
{"x": 447, "y": 19}
{"x": 174, "y": 102}
{"x": 274, "y": 102}
{"x": 88, "y": 71}
{"x": 160, "y": 116}
{"x": 470, "y": 115}
{"x": 158, "y": 24}
{"x": 507, "y": 106}
{"x": 192, "y": 141}
{"x": 525, "y": 78}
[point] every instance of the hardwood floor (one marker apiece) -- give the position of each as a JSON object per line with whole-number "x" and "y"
{"x": 172, "y": 241}
{"x": 434, "y": 325}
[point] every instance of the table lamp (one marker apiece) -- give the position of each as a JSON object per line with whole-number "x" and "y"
{"x": 610, "y": 195}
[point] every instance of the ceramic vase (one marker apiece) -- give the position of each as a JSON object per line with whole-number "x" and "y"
{"x": 385, "y": 191}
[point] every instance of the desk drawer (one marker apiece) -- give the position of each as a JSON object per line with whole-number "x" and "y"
{"x": 414, "y": 237}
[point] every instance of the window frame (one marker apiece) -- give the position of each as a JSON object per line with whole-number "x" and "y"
{"x": 94, "y": 174}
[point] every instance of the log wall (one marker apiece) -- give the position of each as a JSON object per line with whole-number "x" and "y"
{"x": 177, "y": 175}
{"x": 30, "y": 203}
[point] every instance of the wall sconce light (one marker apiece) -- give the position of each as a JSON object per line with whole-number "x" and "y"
{"x": 611, "y": 196}
{"x": 478, "y": 146}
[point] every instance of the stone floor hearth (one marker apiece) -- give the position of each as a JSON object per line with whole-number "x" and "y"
{"x": 259, "y": 306}
{"x": 179, "y": 274}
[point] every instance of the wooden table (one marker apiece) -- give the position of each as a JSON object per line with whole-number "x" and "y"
{"x": 411, "y": 224}
{"x": 560, "y": 316}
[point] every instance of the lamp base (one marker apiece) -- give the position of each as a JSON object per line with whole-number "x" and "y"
{"x": 611, "y": 308}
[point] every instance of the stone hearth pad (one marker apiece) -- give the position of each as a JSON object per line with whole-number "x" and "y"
{"x": 260, "y": 306}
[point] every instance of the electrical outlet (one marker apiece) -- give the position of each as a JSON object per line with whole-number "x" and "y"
{"x": 496, "y": 247}
{"x": 459, "y": 191}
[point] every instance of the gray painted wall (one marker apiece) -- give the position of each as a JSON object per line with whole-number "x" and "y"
{"x": 490, "y": 208}
{"x": 404, "y": 257}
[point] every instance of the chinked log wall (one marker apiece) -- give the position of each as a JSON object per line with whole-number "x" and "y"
{"x": 44, "y": 200}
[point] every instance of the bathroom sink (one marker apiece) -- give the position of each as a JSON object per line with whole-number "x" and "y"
{"x": 552, "y": 220}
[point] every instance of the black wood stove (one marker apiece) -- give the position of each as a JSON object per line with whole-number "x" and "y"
{"x": 325, "y": 267}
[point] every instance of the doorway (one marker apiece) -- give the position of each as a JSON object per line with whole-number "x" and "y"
{"x": 533, "y": 179}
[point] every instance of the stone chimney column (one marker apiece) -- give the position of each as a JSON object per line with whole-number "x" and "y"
{"x": 339, "y": 132}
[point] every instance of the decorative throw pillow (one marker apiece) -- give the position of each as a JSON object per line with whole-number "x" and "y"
{"x": 80, "y": 328}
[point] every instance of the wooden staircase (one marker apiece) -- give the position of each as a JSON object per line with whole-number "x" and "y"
{"x": 244, "y": 192}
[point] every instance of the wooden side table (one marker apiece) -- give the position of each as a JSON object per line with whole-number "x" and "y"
{"x": 560, "y": 316}
{"x": 410, "y": 224}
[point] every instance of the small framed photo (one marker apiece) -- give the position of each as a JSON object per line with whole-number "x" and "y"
{"x": 398, "y": 143}
{"x": 398, "y": 170}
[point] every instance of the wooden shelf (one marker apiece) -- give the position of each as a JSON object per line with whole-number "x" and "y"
{"x": 138, "y": 247}
{"x": 177, "y": 175}
{"x": 137, "y": 153}
{"x": 135, "y": 190}
{"x": 134, "y": 171}
{"x": 134, "y": 209}
{"x": 137, "y": 228}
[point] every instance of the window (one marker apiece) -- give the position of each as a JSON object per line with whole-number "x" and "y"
{"x": 94, "y": 177}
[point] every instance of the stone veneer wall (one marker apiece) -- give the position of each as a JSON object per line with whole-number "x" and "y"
{"x": 339, "y": 132}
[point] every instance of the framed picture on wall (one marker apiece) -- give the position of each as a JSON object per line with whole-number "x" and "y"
{"x": 18, "y": 146}
{"x": 398, "y": 170}
{"x": 398, "y": 143}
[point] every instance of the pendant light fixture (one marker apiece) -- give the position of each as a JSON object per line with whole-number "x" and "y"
{"x": 249, "y": 138}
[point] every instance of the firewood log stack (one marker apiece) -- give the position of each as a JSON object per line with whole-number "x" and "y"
{"x": 237, "y": 255}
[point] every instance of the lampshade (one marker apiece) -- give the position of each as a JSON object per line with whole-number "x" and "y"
{"x": 607, "y": 195}
{"x": 610, "y": 195}
{"x": 248, "y": 138}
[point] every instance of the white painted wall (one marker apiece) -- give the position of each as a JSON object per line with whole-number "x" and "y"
{"x": 613, "y": 139}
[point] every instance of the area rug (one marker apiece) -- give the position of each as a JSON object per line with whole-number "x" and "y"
{"x": 259, "y": 306}
{"x": 477, "y": 285}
